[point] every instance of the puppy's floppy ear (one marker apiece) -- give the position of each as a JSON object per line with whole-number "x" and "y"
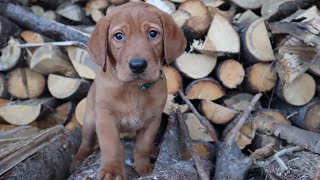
{"x": 97, "y": 45}
{"x": 174, "y": 41}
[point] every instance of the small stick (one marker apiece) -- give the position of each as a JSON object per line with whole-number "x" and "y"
{"x": 243, "y": 118}
{"x": 64, "y": 43}
{"x": 202, "y": 174}
{"x": 204, "y": 121}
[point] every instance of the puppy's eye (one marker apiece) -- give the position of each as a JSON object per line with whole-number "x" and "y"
{"x": 119, "y": 36}
{"x": 153, "y": 34}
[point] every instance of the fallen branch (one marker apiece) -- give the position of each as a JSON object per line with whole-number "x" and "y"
{"x": 242, "y": 119}
{"x": 201, "y": 118}
{"x": 277, "y": 155}
{"x": 42, "y": 25}
{"x": 64, "y": 43}
{"x": 297, "y": 136}
{"x": 202, "y": 174}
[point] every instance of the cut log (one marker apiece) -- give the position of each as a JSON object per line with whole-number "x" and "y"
{"x": 170, "y": 5}
{"x": 294, "y": 58}
{"x": 264, "y": 119}
{"x": 81, "y": 61}
{"x": 3, "y": 87}
{"x": 109, "y": 9}
{"x": 196, "y": 130}
{"x": 306, "y": 117}
{"x": 71, "y": 11}
{"x": 299, "y": 92}
{"x": 60, "y": 116}
{"x": 95, "y": 5}
{"x": 196, "y": 27}
{"x": 41, "y": 25}
{"x": 25, "y": 112}
{"x": 216, "y": 113}
{"x": 245, "y": 19}
{"x": 10, "y": 55}
{"x": 42, "y": 154}
{"x": 24, "y": 83}
{"x": 260, "y": 77}
{"x": 221, "y": 38}
{"x": 180, "y": 17}
{"x": 240, "y": 101}
{"x": 96, "y": 15}
{"x": 249, "y": 4}
{"x": 195, "y": 66}
{"x": 50, "y": 59}
{"x": 274, "y": 10}
{"x": 230, "y": 73}
{"x": 32, "y": 37}
{"x": 208, "y": 89}
{"x": 195, "y": 8}
{"x": 67, "y": 88}
{"x": 174, "y": 79}
{"x": 256, "y": 43}
{"x": 7, "y": 29}
{"x": 81, "y": 110}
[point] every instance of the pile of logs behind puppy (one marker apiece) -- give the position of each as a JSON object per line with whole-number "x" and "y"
{"x": 235, "y": 49}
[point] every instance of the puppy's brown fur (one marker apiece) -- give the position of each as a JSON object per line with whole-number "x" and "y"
{"x": 115, "y": 103}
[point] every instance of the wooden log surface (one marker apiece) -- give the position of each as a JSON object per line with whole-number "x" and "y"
{"x": 40, "y": 24}
{"x": 10, "y": 55}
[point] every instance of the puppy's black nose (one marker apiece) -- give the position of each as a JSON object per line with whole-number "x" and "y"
{"x": 138, "y": 65}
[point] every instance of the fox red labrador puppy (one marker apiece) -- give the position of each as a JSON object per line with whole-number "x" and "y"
{"x": 129, "y": 92}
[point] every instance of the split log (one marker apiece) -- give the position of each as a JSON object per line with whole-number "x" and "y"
{"x": 170, "y": 5}
{"x": 60, "y": 116}
{"x": 7, "y": 29}
{"x": 81, "y": 61}
{"x": 24, "y": 83}
{"x": 171, "y": 106}
{"x": 42, "y": 25}
{"x": 221, "y": 38}
{"x": 196, "y": 27}
{"x": 67, "y": 88}
{"x": 249, "y": 4}
{"x": 240, "y": 101}
{"x": 196, "y": 130}
{"x": 195, "y": 66}
{"x": 50, "y": 59}
{"x": 195, "y": 8}
{"x": 3, "y": 87}
{"x": 96, "y": 15}
{"x": 25, "y": 112}
{"x": 93, "y": 5}
{"x": 48, "y": 150}
{"x": 216, "y": 113}
{"x": 109, "y": 9}
{"x": 260, "y": 77}
{"x": 299, "y": 92}
{"x": 174, "y": 79}
{"x": 180, "y": 17}
{"x": 32, "y": 37}
{"x": 306, "y": 117}
{"x": 245, "y": 135}
{"x": 256, "y": 43}
{"x": 10, "y": 55}
{"x": 294, "y": 58}
{"x": 230, "y": 73}
{"x": 245, "y": 19}
{"x": 71, "y": 11}
{"x": 274, "y": 10}
{"x": 207, "y": 88}
{"x": 81, "y": 110}
{"x": 306, "y": 139}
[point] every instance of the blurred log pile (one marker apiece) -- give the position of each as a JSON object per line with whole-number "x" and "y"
{"x": 236, "y": 49}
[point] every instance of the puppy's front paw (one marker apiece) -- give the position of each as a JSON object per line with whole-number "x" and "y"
{"x": 104, "y": 174}
{"x": 143, "y": 168}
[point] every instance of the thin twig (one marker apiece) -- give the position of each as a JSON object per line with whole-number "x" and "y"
{"x": 64, "y": 43}
{"x": 201, "y": 118}
{"x": 202, "y": 174}
{"x": 242, "y": 119}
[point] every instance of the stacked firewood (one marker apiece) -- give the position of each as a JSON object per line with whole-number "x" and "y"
{"x": 236, "y": 49}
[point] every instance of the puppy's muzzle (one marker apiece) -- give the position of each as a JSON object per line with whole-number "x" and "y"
{"x": 138, "y": 65}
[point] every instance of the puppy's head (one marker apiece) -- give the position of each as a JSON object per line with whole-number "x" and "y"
{"x": 135, "y": 40}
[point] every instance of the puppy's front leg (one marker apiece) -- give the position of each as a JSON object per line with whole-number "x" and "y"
{"x": 144, "y": 146}
{"x": 112, "y": 158}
